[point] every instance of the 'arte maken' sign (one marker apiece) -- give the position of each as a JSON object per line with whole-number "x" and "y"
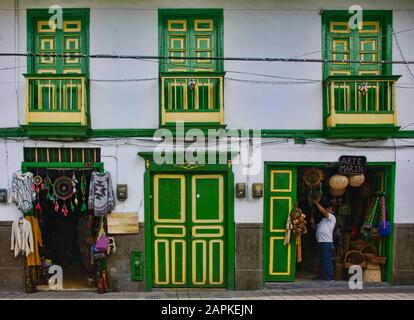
{"x": 352, "y": 164}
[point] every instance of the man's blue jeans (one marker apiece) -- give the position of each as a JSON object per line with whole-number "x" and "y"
{"x": 325, "y": 250}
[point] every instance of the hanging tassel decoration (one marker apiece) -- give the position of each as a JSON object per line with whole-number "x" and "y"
{"x": 65, "y": 210}
{"x": 56, "y": 206}
{"x": 83, "y": 191}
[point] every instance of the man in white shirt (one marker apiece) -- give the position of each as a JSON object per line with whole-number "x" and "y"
{"x": 324, "y": 238}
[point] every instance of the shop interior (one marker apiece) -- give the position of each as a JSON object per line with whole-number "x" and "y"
{"x": 361, "y": 206}
{"x": 68, "y": 228}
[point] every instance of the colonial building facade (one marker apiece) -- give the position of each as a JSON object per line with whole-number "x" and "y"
{"x": 110, "y": 84}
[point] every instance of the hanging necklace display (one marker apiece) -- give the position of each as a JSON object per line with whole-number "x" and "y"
{"x": 63, "y": 190}
{"x": 37, "y": 186}
{"x": 83, "y": 192}
{"x": 74, "y": 203}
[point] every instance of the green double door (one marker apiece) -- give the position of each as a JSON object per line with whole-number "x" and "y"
{"x": 188, "y": 230}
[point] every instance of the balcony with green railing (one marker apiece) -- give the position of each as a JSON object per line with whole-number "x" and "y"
{"x": 192, "y": 98}
{"x": 365, "y": 101}
{"x": 56, "y": 105}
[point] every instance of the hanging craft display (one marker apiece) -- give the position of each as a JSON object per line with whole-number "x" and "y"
{"x": 74, "y": 203}
{"x": 363, "y": 88}
{"x": 63, "y": 190}
{"x": 48, "y": 187}
{"x": 83, "y": 192}
{"x": 356, "y": 180}
{"x": 384, "y": 227}
{"x": 338, "y": 182}
{"x": 37, "y": 186}
{"x": 313, "y": 177}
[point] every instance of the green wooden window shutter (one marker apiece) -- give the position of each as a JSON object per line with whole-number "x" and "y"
{"x": 70, "y": 39}
{"x": 190, "y": 36}
{"x": 364, "y": 45}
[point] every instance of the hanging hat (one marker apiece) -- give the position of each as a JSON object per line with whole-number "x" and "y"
{"x": 338, "y": 182}
{"x": 356, "y": 180}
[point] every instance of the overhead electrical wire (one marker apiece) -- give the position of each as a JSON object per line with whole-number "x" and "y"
{"x": 160, "y": 57}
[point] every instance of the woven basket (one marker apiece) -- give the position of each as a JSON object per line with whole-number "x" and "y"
{"x": 372, "y": 273}
{"x": 377, "y": 260}
{"x": 354, "y": 257}
{"x": 313, "y": 177}
{"x": 369, "y": 248}
{"x": 338, "y": 182}
{"x": 356, "y": 180}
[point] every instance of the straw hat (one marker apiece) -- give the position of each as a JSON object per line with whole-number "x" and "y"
{"x": 356, "y": 180}
{"x": 338, "y": 182}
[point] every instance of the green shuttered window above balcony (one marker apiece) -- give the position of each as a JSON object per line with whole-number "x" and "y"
{"x": 191, "y": 90}
{"x": 358, "y": 95}
{"x": 57, "y": 87}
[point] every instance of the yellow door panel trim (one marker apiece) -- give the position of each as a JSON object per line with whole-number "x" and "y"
{"x": 370, "y": 23}
{"x": 174, "y": 29}
{"x": 221, "y": 257}
{"x": 167, "y": 262}
{"x": 157, "y": 177}
{"x": 272, "y": 213}
{"x": 194, "y": 262}
{"x": 272, "y": 182}
{"x": 183, "y": 262}
{"x": 198, "y": 22}
{"x": 194, "y": 198}
{"x": 158, "y": 231}
{"x": 67, "y": 26}
{"x": 272, "y": 255}
{"x": 42, "y": 24}
{"x": 335, "y": 24}
{"x": 197, "y": 231}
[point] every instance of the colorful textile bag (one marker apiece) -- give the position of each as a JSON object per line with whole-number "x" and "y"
{"x": 102, "y": 242}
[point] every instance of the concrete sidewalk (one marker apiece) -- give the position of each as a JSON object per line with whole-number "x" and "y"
{"x": 370, "y": 293}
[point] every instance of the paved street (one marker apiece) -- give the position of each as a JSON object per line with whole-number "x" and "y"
{"x": 372, "y": 293}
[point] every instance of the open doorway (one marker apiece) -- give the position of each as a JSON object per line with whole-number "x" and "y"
{"x": 67, "y": 227}
{"x": 358, "y": 210}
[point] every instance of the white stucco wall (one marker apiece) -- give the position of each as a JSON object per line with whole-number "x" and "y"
{"x": 265, "y": 28}
{"x": 121, "y": 160}
{"x": 259, "y": 28}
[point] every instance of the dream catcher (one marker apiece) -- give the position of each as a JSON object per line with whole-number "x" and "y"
{"x": 63, "y": 190}
{"x": 83, "y": 192}
{"x": 36, "y": 187}
{"x": 49, "y": 188}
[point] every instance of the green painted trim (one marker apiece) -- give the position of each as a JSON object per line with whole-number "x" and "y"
{"x": 373, "y": 78}
{"x": 99, "y": 133}
{"x": 67, "y": 165}
{"x": 231, "y": 229}
{"x": 388, "y": 166}
{"x": 345, "y": 132}
{"x": 339, "y": 133}
{"x": 12, "y": 133}
{"x": 147, "y": 231}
